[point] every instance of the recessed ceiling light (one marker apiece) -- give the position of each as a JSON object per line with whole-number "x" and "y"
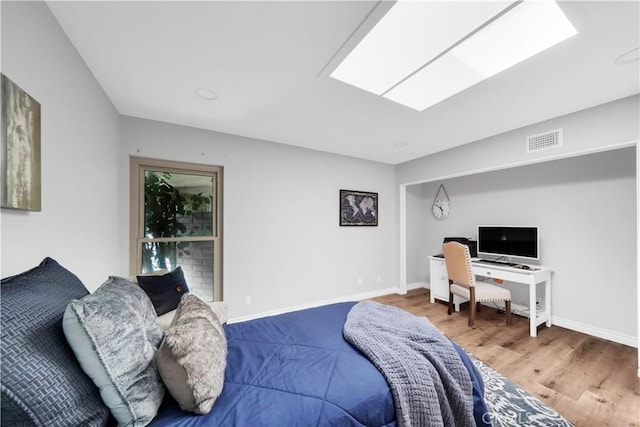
{"x": 206, "y": 94}
{"x": 446, "y": 61}
{"x": 401, "y": 144}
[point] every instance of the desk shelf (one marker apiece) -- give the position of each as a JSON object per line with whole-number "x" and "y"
{"x": 518, "y": 309}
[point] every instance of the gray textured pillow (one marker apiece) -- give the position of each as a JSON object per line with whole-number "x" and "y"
{"x": 114, "y": 335}
{"x": 220, "y": 309}
{"x": 193, "y": 356}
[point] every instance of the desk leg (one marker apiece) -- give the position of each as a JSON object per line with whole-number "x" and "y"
{"x": 533, "y": 313}
{"x": 547, "y": 299}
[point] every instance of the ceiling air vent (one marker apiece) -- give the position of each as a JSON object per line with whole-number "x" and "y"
{"x": 544, "y": 141}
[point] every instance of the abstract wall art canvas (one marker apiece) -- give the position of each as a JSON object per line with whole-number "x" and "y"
{"x": 358, "y": 208}
{"x": 21, "y": 182}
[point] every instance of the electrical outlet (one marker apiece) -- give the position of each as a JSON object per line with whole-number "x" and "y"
{"x": 360, "y": 281}
{"x": 247, "y": 300}
{"x": 378, "y": 279}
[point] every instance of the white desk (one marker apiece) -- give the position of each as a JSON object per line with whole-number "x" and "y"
{"x": 538, "y": 274}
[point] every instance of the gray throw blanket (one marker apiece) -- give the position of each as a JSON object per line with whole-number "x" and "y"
{"x": 429, "y": 382}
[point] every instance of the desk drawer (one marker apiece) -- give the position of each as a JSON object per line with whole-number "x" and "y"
{"x": 500, "y": 274}
{"x": 438, "y": 268}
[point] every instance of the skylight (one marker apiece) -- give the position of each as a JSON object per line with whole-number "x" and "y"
{"x": 421, "y": 53}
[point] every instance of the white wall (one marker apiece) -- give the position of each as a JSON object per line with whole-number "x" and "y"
{"x": 586, "y": 214}
{"x": 419, "y": 246}
{"x": 609, "y": 126}
{"x": 79, "y": 218}
{"x": 282, "y": 242}
{"x": 283, "y": 245}
{"x": 597, "y": 128}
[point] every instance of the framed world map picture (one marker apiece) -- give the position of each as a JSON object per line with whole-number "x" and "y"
{"x": 20, "y": 148}
{"x": 358, "y": 208}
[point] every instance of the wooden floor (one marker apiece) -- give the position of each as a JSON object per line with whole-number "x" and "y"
{"x": 590, "y": 381}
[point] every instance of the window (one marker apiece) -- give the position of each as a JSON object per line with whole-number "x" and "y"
{"x": 176, "y": 220}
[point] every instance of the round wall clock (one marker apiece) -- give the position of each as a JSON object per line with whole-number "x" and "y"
{"x": 441, "y": 207}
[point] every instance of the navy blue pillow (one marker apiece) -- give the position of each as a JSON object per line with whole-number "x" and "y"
{"x": 164, "y": 291}
{"x": 42, "y": 382}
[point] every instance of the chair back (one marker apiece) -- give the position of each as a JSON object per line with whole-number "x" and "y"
{"x": 458, "y": 261}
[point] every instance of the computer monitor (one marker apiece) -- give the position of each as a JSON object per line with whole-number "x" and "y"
{"x": 509, "y": 241}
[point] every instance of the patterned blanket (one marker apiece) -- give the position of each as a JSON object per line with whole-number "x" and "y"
{"x": 429, "y": 382}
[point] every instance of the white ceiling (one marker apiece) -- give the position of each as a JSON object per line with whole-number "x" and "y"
{"x": 269, "y": 63}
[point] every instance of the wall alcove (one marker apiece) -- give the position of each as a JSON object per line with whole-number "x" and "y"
{"x": 586, "y": 207}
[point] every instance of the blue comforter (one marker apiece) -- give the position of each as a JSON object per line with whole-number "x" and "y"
{"x": 296, "y": 369}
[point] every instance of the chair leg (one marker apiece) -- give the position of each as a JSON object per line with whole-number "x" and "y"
{"x": 472, "y": 306}
{"x": 507, "y": 306}
{"x": 450, "y": 309}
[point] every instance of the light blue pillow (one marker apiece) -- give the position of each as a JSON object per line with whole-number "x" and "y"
{"x": 115, "y": 336}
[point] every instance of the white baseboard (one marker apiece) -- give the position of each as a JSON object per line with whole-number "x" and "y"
{"x": 353, "y": 297}
{"x": 558, "y": 321}
{"x": 606, "y": 334}
{"x": 417, "y": 285}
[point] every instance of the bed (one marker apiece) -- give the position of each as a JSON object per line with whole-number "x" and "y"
{"x": 296, "y": 369}
{"x": 293, "y": 369}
